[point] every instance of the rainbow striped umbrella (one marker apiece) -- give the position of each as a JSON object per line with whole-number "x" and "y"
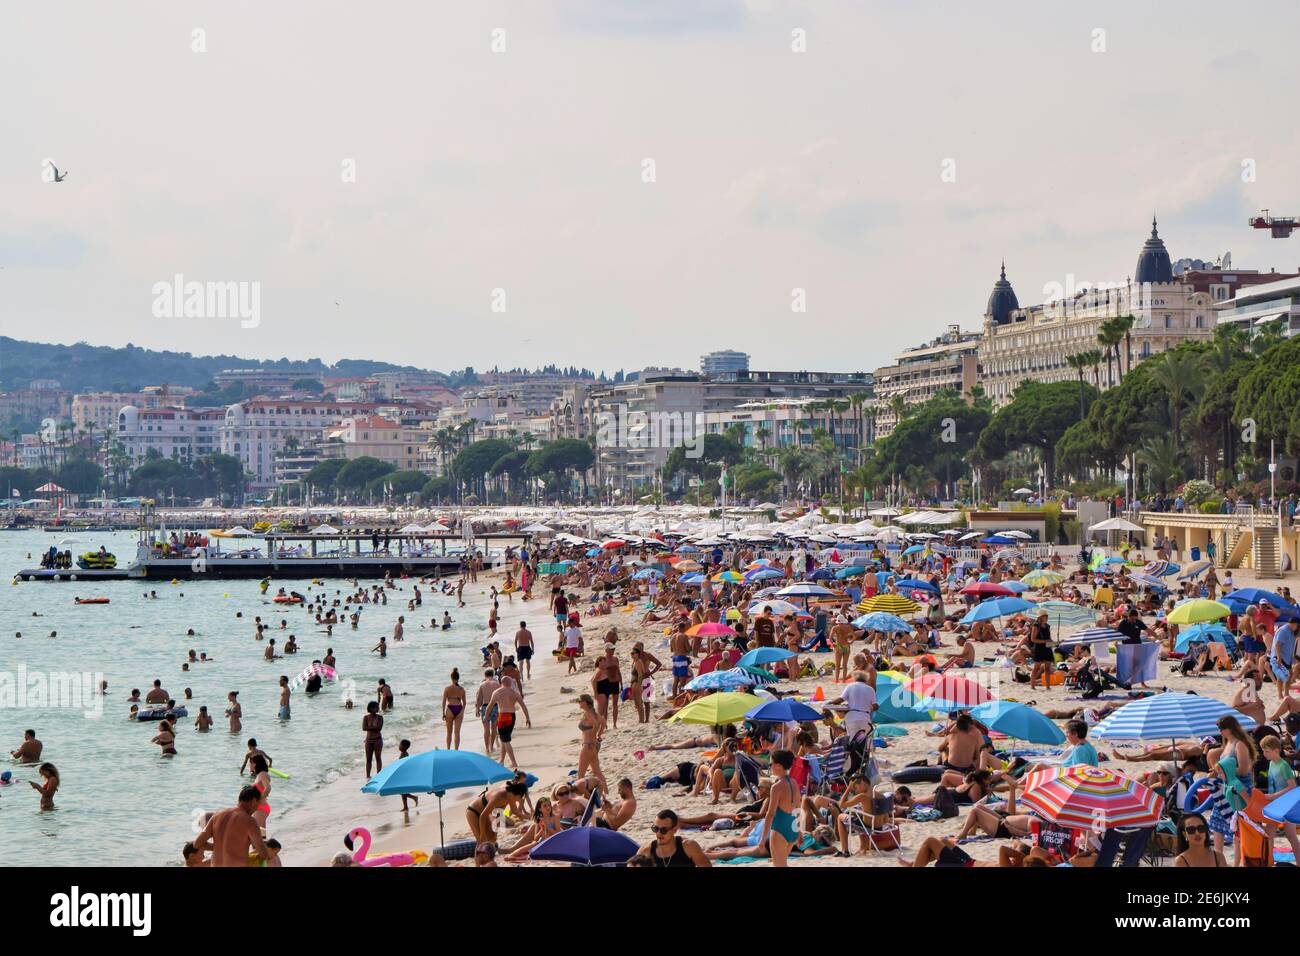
{"x": 728, "y": 577}
{"x": 1095, "y": 798}
{"x": 891, "y": 603}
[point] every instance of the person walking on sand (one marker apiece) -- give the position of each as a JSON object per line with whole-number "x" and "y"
{"x": 524, "y": 649}
{"x": 505, "y": 699}
{"x": 453, "y": 709}
{"x": 782, "y": 803}
{"x": 373, "y": 725}
{"x": 483, "y": 708}
{"x": 573, "y": 643}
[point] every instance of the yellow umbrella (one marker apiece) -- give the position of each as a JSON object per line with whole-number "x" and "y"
{"x": 891, "y": 603}
{"x": 1197, "y": 611}
{"x": 716, "y": 709}
{"x": 1042, "y": 578}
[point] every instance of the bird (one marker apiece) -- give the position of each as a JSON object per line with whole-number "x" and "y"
{"x": 58, "y": 176}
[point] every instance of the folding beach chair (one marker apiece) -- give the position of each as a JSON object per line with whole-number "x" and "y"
{"x": 589, "y": 813}
{"x": 1133, "y": 840}
{"x": 877, "y": 826}
{"x": 749, "y": 772}
{"x": 832, "y": 767}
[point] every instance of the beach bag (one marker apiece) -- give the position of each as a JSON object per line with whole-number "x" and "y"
{"x": 924, "y": 815}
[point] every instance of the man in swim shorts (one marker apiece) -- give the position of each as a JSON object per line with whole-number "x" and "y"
{"x": 524, "y": 649}
{"x": 505, "y": 699}
{"x": 681, "y": 649}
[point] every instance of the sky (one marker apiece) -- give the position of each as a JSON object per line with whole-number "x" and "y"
{"x": 619, "y": 183}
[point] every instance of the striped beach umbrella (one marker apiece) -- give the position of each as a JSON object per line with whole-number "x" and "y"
{"x": 1091, "y": 635}
{"x": 882, "y": 621}
{"x": 732, "y": 679}
{"x": 805, "y": 590}
{"x": 1062, "y": 614}
{"x": 916, "y": 584}
{"x": 1167, "y": 716}
{"x": 1160, "y": 569}
{"x": 777, "y": 607}
{"x": 893, "y": 603}
{"x": 1149, "y": 581}
{"x": 688, "y": 565}
{"x": 1042, "y": 578}
{"x": 1198, "y": 610}
{"x": 764, "y": 574}
{"x": 1008, "y": 554}
{"x": 1094, "y": 798}
{"x": 759, "y": 675}
{"x": 728, "y": 577}
{"x": 1195, "y": 568}
{"x": 945, "y": 690}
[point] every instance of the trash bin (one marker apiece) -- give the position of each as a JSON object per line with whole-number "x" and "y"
{"x": 1196, "y": 554}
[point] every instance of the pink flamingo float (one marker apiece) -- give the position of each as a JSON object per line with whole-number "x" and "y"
{"x": 360, "y": 853}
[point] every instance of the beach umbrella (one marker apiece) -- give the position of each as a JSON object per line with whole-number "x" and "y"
{"x": 986, "y": 589}
{"x": 1091, "y": 635}
{"x": 764, "y": 655}
{"x": 715, "y": 709}
{"x": 764, "y": 574}
{"x": 783, "y": 710}
{"x": 613, "y": 544}
{"x": 1091, "y": 797}
{"x": 1195, "y": 568}
{"x": 1196, "y": 611}
{"x": 1149, "y": 581}
{"x": 882, "y": 621}
{"x": 1160, "y": 569}
{"x": 728, "y": 577}
{"x": 822, "y": 574}
{"x": 1167, "y": 716}
{"x": 688, "y": 566}
{"x": 593, "y": 552}
{"x": 647, "y": 573}
{"x": 711, "y": 629}
{"x": 436, "y": 772}
{"x": 967, "y": 565}
{"x": 997, "y": 607}
{"x": 1113, "y": 559}
{"x": 914, "y": 549}
{"x": 776, "y": 606}
{"x": 732, "y": 679}
{"x": 915, "y": 584}
{"x": 693, "y": 579}
{"x": 586, "y": 846}
{"x": 1042, "y": 578}
{"x": 1016, "y": 587}
{"x": 892, "y": 603}
{"x": 936, "y": 689}
{"x": 1242, "y": 598}
{"x": 889, "y": 730}
{"x": 537, "y": 529}
{"x": 1019, "y": 721}
{"x": 896, "y": 703}
{"x": 852, "y": 571}
{"x": 1202, "y": 633}
{"x": 997, "y": 539}
{"x": 760, "y": 676}
{"x": 1062, "y": 614}
{"x": 759, "y": 563}
{"x": 1007, "y": 554}
{"x": 687, "y": 549}
{"x": 1286, "y": 808}
{"x": 805, "y": 591}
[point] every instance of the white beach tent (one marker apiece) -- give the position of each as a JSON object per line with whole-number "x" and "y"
{"x": 1116, "y": 524}
{"x": 324, "y": 529}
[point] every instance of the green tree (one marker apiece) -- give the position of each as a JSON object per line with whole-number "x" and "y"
{"x": 1037, "y": 416}
{"x": 359, "y": 472}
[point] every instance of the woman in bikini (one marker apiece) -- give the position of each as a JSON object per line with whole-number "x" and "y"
{"x": 513, "y": 794}
{"x": 165, "y": 739}
{"x": 607, "y": 681}
{"x": 50, "y": 774}
{"x": 453, "y": 709}
{"x": 545, "y": 823}
{"x": 644, "y": 666}
{"x": 373, "y": 725}
{"x": 592, "y": 727}
{"x": 262, "y": 781}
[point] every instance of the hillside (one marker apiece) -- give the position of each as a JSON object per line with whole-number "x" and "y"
{"x": 84, "y": 367}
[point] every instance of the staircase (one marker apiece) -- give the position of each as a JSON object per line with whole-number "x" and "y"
{"x": 1240, "y": 542}
{"x": 1266, "y": 551}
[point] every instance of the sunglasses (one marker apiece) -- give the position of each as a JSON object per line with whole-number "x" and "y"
{"x": 1194, "y": 829}
{"x": 662, "y": 830}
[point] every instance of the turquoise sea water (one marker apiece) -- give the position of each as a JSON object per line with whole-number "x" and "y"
{"x": 122, "y": 804}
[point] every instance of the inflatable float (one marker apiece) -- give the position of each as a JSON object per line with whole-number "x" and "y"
{"x": 285, "y": 599}
{"x": 161, "y": 713}
{"x": 92, "y": 600}
{"x": 917, "y": 775}
{"x": 361, "y": 852}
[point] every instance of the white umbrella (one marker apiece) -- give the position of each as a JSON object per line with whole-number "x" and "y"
{"x": 1023, "y": 491}
{"x": 1115, "y": 524}
{"x": 538, "y": 529}
{"x": 1014, "y": 534}
{"x": 411, "y": 529}
{"x": 324, "y": 529}
{"x": 884, "y": 512}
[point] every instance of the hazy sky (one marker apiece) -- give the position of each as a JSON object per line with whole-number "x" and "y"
{"x": 523, "y": 170}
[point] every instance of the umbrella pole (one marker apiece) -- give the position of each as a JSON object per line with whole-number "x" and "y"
{"x": 442, "y": 833}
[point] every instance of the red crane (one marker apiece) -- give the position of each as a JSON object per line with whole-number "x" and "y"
{"x": 1280, "y": 226}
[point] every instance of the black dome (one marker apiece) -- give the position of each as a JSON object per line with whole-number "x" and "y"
{"x": 1153, "y": 262}
{"x": 1002, "y": 300}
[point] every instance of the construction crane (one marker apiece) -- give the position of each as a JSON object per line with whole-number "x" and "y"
{"x": 1280, "y": 226}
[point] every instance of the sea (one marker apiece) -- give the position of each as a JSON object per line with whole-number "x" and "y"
{"x": 120, "y": 802}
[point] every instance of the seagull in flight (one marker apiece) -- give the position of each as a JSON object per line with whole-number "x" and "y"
{"x": 58, "y": 176}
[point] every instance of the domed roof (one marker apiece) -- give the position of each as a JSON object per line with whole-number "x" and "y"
{"x": 1153, "y": 261}
{"x": 1002, "y": 300}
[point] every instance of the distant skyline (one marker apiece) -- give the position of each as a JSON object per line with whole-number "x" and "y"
{"x": 523, "y": 170}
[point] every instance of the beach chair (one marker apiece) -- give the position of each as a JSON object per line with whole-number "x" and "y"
{"x": 832, "y": 767}
{"x": 589, "y": 813}
{"x": 1254, "y": 832}
{"x": 749, "y": 772}
{"x": 1133, "y": 840}
{"x": 877, "y": 826}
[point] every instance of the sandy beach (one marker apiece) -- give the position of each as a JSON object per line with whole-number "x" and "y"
{"x": 549, "y": 748}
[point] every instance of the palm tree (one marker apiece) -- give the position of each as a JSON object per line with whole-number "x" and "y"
{"x": 898, "y": 405}
{"x": 762, "y": 433}
{"x": 1182, "y": 377}
{"x": 1124, "y": 324}
{"x": 1108, "y": 337}
{"x": 1078, "y": 362}
{"x": 444, "y": 441}
{"x": 858, "y": 402}
{"x": 1163, "y": 461}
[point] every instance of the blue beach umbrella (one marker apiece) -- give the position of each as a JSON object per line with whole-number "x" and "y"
{"x": 764, "y": 574}
{"x": 822, "y": 574}
{"x": 1242, "y": 598}
{"x": 436, "y": 772}
{"x": 691, "y": 579}
{"x": 586, "y": 846}
{"x": 915, "y": 584}
{"x": 1201, "y": 633}
{"x": 1167, "y": 716}
{"x": 882, "y": 621}
{"x": 897, "y": 704}
{"x": 996, "y": 607}
{"x": 783, "y": 710}
{"x": 1019, "y": 721}
{"x": 764, "y": 655}
{"x": 722, "y": 680}
{"x": 1286, "y": 808}
{"x": 805, "y": 590}
{"x": 914, "y": 549}
{"x": 851, "y": 571}
{"x": 1020, "y": 587}
{"x": 998, "y": 539}
{"x": 647, "y": 573}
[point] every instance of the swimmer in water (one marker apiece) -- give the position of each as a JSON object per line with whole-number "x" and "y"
{"x": 203, "y": 723}
{"x": 165, "y": 739}
{"x": 234, "y": 712}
